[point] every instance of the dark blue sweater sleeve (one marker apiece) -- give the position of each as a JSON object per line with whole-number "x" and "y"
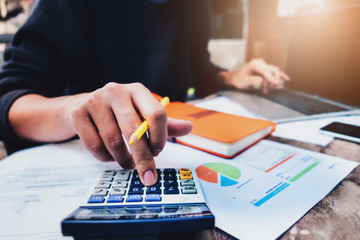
{"x": 38, "y": 59}
{"x": 68, "y": 46}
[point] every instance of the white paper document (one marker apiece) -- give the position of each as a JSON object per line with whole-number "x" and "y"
{"x": 263, "y": 191}
{"x": 257, "y": 195}
{"x": 41, "y": 186}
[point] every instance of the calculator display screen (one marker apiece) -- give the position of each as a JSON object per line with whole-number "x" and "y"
{"x": 141, "y": 212}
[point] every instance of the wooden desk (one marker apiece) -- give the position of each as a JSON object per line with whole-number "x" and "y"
{"x": 337, "y": 216}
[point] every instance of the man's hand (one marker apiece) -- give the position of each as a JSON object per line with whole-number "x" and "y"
{"x": 257, "y": 74}
{"x": 105, "y": 115}
{"x": 102, "y": 119}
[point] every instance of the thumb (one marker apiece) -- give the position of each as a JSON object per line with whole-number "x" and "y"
{"x": 177, "y": 127}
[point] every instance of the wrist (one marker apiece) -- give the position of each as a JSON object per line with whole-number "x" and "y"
{"x": 69, "y": 104}
{"x": 227, "y": 78}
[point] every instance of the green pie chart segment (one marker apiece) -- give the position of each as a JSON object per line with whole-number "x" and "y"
{"x": 222, "y": 173}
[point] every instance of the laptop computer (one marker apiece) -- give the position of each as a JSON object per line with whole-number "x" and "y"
{"x": 323, "y": 63}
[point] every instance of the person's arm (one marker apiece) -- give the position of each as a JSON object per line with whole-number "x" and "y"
{"x": 100, "y": 119}
{"x": 34, "y": 63}
{"x": 209, "y": 78}
{"x": 37, "y": 118}
{"x": 49, "y": 55}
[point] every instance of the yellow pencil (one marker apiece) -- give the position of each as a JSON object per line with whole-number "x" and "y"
{"x": 144, "y": 126}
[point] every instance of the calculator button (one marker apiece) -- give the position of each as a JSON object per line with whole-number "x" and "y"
{"x": 153, "y": 198}
{"x": 123, "y": 175}
{"x": 136, "y": 183}
{"x": 184, "y": 170}
{"x": 118, "y": 191}
{"x": 187, "y": 182}
{"x": 109, "y": 173}
{"x": 153, "y": 190}
{"x": 136, "y": 175}
{"x": 115, "y": 199}
{"x": 169, "y": 170}
{"x": 168, "y": 176}
{"x": 189, "y": 190}
{"x": 157, "y": 184}
{"x": 99, "y": 192}
{"x": 136, "y": 190}
{"x": 106, "y": 178}
{"x": 96, "y": 199}
{"x": 170, "y": 182}
{"x": 134, "y": 198}
{"x": 171, "y": 190}
{"x": 186, "y": 176}
{"x": 122, "y": 184}
{"x": 103, "y": 184}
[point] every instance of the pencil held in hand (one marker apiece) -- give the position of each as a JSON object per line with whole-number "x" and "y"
{"x": 144, "y": 126}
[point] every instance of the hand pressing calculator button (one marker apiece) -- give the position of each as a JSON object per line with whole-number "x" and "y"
{"x": 170, "y": 182}
{"x": 176, "y": 196}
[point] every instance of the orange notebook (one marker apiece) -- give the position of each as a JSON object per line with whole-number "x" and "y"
{"x": 222, "y": 134}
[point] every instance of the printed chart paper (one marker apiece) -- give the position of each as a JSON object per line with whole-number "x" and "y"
{"x": 265, "y": 190}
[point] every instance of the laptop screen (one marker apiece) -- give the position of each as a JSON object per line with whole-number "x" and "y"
{"x": 324, "y": 54}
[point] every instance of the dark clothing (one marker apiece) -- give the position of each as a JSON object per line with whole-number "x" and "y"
{"x": 68, "y": 47}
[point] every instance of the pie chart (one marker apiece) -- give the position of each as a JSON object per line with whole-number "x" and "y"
{"x": 220, "y": 173}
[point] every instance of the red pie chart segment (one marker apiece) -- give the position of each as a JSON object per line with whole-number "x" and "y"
{"x": 207, "y": 174}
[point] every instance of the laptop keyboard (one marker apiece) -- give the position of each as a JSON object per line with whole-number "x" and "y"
{"x": 301, "y": 103}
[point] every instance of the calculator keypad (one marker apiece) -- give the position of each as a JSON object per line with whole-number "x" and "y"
{"x": 124, "y": 186}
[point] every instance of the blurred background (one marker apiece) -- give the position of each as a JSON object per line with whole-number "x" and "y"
{"x": 317, "y": 42}
{"x": 13, "y": 13}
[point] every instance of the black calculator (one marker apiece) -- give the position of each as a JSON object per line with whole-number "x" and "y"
{"x": 121, "y": 206}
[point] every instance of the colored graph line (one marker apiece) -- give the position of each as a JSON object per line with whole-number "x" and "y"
{"x": 302, "y": 173}
{"x": 270, "y": 195}
{"x": 278, "y": 164}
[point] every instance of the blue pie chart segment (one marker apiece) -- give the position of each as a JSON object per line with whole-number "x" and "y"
{"x": 225, "y": 181}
